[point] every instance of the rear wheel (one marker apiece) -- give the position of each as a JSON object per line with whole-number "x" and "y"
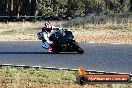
{"x": 78, "y": 48}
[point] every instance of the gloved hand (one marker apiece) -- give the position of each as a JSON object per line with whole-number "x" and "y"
{"x": 50, "y": 42}
{"x": 39, "y": 35}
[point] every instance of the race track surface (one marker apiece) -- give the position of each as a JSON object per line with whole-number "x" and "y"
{"x": 100, "y": 57}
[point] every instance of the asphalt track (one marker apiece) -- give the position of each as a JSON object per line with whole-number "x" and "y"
{"x": 100, "y": 57}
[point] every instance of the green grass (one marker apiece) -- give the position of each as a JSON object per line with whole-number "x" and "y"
{"x": 7, "y": 32}
{"x": 10, "y": 76}
{"x": 20, "y": 31}
{"x": 15, "y": 75}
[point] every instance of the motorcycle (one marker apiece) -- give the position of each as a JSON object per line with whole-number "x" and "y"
{"x": 62, "y": 41}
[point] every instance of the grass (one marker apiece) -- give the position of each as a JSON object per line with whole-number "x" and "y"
{"x": 99, "y": 33}
{"x": 11, "y": 32}
{"x": 12, "y": 76}
{"x": 20, "y": 74}
{"x": 115, "y": 28}
{"x": 23, "y": 32}
{"x": 20, "y": 77}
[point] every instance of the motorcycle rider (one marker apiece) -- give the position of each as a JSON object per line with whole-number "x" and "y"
{"x": 47, "y": 30}
{"x": 60, "y": 34}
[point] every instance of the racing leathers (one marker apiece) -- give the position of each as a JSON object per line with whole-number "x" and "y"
{"x": 46, "y": 42}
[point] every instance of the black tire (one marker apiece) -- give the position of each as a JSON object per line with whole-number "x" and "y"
{"x": 78, "y": 49}
{"x": 55, "y": 49}
{"x": 56, "y": 52}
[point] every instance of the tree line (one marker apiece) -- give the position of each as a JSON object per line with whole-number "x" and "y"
{"x": 62, "y": 7}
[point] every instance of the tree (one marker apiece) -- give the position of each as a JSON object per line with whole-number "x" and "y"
{"x": 61, "y": 7}
{"x": 130, "y": 9}
{"x": 33, "y": 7}
{"x": 18, "y": 7}
{"x": 71, "y": 6}
{"x": 80, "y": 8}
{"x": 75, "y": 7}
{"x": 12, "y": 5}
{"x": 44, "y": 7}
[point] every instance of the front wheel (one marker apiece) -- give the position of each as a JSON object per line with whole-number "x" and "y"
{"x": 55, "y": 49}
{"x": 56, "y": 52}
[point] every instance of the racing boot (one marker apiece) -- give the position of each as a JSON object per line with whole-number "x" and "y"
{"x": 45, "y": 45}
{"x": 50, "y": 48}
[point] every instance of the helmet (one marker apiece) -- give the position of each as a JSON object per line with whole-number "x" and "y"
{"x": 48, "y": 25}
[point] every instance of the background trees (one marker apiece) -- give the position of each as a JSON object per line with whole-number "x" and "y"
{"x": 62, "y": 7}
{"x": 130, "y": 5}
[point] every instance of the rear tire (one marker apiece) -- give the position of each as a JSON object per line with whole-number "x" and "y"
{"x": 78, "y": 48}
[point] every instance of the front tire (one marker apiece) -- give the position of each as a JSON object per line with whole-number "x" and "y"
{"x": 56, "y": 52}
{"x": 55, "y": 49}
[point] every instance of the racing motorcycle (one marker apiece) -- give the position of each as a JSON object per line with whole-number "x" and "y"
{"x": 62, "y": 41}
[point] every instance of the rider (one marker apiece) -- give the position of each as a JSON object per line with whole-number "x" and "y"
{"x": 47, "y": 29}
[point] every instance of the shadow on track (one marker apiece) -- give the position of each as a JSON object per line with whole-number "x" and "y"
{"x": 36, "y": 53}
